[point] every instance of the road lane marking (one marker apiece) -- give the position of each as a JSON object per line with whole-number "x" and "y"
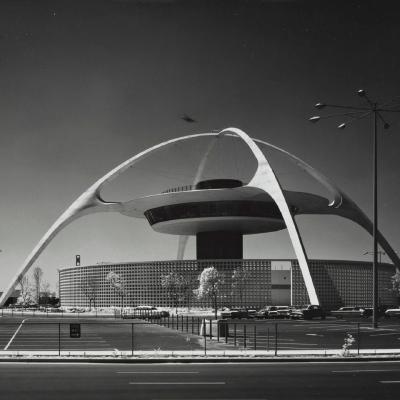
{"x": 386, "y": 334}
{"x": 390, "y": 381}
{"x": 157, "y": 372}
{"x": 15, "y": 334}
{"x": 177, "y": 383}
{"x": 365, "y": 370}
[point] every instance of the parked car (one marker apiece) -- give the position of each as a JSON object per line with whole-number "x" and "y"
{"x": 283, "y": 311}
{"x": 308, "y": 312}
{"x": 273, "y": 312}
{"x": 53, "y": 309}
{"x": 148, "y": 312}
{"x": 261, "y": 314}
{"x": 164, "y": 313}
{"x": 233, "y": 313}
{"x": 348, "y": 312}
{"x": 368, "y": 312}
{"x": 392, "y": 312}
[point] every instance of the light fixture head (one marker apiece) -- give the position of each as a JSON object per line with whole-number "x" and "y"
{"x": 320, "y": 106}
{"x": 361, "y": 92}
{"x": 342, "y": 126}
{"x": 315, "y": 118}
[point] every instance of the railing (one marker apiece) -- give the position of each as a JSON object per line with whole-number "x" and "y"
{"x": 184, "y": 188}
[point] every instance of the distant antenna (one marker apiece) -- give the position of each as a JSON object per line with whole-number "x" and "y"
{"x": 78, "y": 260}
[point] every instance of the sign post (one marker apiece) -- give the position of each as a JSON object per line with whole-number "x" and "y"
{"x": 75, "y": 330}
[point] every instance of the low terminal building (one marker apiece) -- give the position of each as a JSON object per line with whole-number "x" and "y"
{"x": 277, "y": 282}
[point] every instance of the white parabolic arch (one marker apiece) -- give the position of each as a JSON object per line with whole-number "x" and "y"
{"x": 91, "y": 202}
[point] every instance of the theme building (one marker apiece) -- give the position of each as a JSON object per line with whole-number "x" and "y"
{"x": 218, "y": 212}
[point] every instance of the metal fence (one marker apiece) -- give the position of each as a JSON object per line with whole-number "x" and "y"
{"x": 134, "y": 332}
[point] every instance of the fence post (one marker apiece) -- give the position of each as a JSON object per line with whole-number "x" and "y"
{"x": 187, "y": 323}
{"x": 217, "y": 331}
{"x": 234, "y": 334}
{"x": 255, "y": 337}
{"x": 276, "y": 338}
{"x": 205, "y": 338}
{"x": 210, "y": 329}
{"x": 192, "y": 325}
{"x": 268, "y": 339}
{"x": 358, "y": 338}
{"x": 132, "y": 339}
{"x": 226, "y": 331}
{"x": 59, "y": 339}
{"x": 244, "y": 335}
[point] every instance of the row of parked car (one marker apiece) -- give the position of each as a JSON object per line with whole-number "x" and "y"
{"x": 365, "y": 312}
{"x": 275, "y": 312}
{"x": 306, "y": 312}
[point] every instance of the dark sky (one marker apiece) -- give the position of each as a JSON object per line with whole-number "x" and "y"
{"x": 84, "y": 85}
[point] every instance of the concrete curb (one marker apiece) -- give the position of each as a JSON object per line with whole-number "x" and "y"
{"x": 199, "y": 357}
{"x": 186, "y": 360}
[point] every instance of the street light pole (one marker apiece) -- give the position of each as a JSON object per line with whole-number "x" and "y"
{"x": 375, "y": 222}
{"x": 357, "y": 113}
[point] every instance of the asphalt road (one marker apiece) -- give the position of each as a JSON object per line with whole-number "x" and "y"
{"x": 255, "y": 381}
{"x": 106, "y": 334}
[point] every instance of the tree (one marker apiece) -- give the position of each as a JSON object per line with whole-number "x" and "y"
{"x": 209, "y": 286}
{"x": 188, "y": 285}
{"x": 25, "y": 292}
{"x": 118, "y": 284}
{"x": 396, "y": 283}
{"x": 89, "y": 289}
{"x": 37, "y": 275}
{"x": 45, "y": 292}
{"x": 172, "y": 283}
{"x": 240, "y": 278}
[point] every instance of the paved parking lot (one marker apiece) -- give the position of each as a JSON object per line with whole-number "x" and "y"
{"x": 42, "y": 334}
{"x": 28, "y": 333}
{"x": 303, "y": 335}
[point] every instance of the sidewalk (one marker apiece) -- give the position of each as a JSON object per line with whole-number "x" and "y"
{"x": 199, "y": 355}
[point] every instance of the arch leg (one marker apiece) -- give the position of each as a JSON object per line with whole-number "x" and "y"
{"x": 266, "y": 180}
